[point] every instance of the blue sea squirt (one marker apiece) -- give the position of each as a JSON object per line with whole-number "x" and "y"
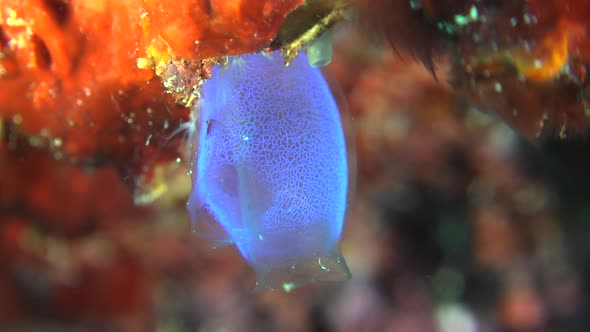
{"x": 270, "y": 171}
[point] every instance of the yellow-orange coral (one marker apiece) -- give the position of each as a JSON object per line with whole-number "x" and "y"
{"x": 69, "y": 75}
{"x": 89, "y": 94}
{"x": 526, "y": 60}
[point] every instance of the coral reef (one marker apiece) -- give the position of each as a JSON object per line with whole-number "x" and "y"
{"x": 91, "y": 96}
{"x": 524, "y": 60}
{"x": 456, "y": 224}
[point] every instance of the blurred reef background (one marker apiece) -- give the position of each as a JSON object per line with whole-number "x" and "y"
{"x": 468, "y": 118}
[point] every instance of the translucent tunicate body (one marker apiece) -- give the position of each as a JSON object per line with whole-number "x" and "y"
{"x": 270, "y": 169}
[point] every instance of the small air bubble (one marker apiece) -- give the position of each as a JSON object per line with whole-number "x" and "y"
{"x": 322, "y": 265}
{"x": 288, "y": 286}
{"x": 513, "y": 21}
{"x": 498, "y": 87}
{"x": 526, "y": 18}
{"x": 35, "y": 141}
{"x": 17, "y": 119}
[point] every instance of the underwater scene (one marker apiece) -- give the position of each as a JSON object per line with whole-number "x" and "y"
{"x": 295, "y": 165}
